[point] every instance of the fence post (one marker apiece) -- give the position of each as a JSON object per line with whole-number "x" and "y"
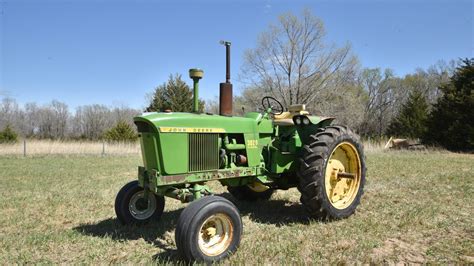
{"x": 24, "y": 147}
{"x": 103, "y": 148}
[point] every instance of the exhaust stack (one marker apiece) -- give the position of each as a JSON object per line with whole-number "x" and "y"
{"x": 225, "y": 89}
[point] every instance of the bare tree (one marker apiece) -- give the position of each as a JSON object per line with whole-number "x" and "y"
{"x": 293, "y": 63}
{"x": 428, "y": 81}
{"x": 54, "y": 121}
{"x": 49, "y": 121}
{"x": 386, "y": 93}
{"x": 12, "y": 115}
{"x": 92, "y": 121}
{"x": 60, "y": 116}
{"x": 124, "y": 113}
{"x": 8, "y": 110}
{"x": 46, "y": 120}
{"x": 31, "y": 120}
{"x": 212, "y": 106}
{"x": 382, "y": 95}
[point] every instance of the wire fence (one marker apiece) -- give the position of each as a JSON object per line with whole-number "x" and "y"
{"x": 45, "y": 147}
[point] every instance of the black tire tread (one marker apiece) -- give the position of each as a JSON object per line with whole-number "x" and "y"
{"x": 312, "y": 170}
{"x": 121, "y": 205}
{"x": 190, "y": 216}
{"x": 190, "y": 211}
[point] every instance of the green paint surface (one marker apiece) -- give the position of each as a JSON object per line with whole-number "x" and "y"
{"x": 176, "y": 149}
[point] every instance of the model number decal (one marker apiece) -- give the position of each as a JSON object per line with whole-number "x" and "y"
{"x": 252, "y": 143}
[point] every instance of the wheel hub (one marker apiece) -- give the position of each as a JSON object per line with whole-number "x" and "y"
{"x": 141, "y": 204}
{"x": 342, "y": 178}
{"x": 215, "y": 234}
{"x": 140, "y": 207}
{"x": 210, "y": 232}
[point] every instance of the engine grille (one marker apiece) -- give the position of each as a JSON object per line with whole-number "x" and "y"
{"x": 203, "y": 151}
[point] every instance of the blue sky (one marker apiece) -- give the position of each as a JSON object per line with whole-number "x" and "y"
{"x": 115, "y": 52}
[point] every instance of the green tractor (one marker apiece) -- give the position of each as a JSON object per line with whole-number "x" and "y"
{"x": 252, "y": 155}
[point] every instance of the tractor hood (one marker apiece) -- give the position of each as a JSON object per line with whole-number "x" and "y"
{"x": 196, "y": 123}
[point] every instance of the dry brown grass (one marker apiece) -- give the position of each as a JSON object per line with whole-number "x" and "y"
{"x": 43, "y": 147}
{"x": 371, "y": 145}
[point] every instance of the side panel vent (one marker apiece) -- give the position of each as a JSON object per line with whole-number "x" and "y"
{"x": 203, "y": 151}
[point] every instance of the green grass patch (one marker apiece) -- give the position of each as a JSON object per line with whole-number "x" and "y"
{"x": 417, "y": 208}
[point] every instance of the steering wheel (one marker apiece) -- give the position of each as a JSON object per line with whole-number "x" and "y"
{"x": 272, "y": 103}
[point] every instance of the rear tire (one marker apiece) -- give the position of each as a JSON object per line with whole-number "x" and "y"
{"x": 132, "y": 208}
{"x": 208, "y": 230}
{"x": 332, "y": 173}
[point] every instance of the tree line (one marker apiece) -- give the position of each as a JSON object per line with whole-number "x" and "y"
{"x": 55, "y": 121}
{"x": 293, "y": 62}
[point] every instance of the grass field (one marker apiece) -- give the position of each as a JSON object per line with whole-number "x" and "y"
{"x": 417, "y": 208}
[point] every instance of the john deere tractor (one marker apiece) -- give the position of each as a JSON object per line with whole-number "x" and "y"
{"x": 254, "y": 155}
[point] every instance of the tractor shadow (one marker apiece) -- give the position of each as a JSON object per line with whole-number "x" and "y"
{"x": 274, "y": 211}
{"x": 157, "y": 234}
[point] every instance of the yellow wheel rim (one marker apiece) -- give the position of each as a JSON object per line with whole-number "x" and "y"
{"x": 258, "y": 187}
{"x": 343, "y": 175}
{"x": 216, "y": 234}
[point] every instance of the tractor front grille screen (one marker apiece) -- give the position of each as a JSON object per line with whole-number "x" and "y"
{"x": 203, "y": 151}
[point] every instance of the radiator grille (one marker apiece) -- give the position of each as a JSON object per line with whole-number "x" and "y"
{"x": 203, "y": 151}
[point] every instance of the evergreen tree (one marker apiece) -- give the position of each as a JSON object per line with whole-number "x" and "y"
{"x": 121, "y": 132}
{"x": 451, "y": 123}
{"x": 411, "y": 120}
{"x": 8, "y": 135}
{"x": 174, "y": 95}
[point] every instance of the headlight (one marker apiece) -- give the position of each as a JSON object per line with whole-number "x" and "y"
{"x": 298, "y": 120}
{"x": 306, "y": 121}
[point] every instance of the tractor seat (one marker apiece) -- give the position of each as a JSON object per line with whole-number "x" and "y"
{"x": 286, "y": 118}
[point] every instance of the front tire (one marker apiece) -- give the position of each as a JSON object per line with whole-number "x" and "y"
{"x": 132, "y": 208}
{"x": 332, "y": 173}
{"x": 208, "y": 230}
